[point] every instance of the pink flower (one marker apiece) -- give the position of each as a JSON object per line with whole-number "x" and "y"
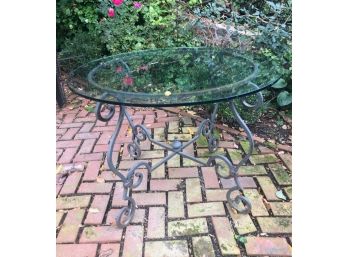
{"x": 128, "y": 81}
{"x": 117, "y": 2}
{"x": 111, "y": 12}
{"x": 119, "y": 69}
{"x": 137, "y": 5}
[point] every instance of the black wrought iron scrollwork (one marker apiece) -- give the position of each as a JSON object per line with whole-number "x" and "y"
{"x": 126, "y": 214}
{"x": 214, "y": 161}
{"x": 140, "y": 133}
{"x": 98, "y": 109}
{"x": 134, "y": 149}
{"x": 234, "y": 202}
{"x": 208, "y": 131}
{"x": 230, "y": 172}
{"x": 259, "y": 98}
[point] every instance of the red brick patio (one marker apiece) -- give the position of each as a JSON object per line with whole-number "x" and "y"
{"x": 182, "y": 209}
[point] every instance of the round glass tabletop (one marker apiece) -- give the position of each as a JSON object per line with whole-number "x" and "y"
{"x": 173, "y": 77}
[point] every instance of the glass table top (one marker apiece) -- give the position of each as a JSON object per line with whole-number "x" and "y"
{"x": 173, "y": 77}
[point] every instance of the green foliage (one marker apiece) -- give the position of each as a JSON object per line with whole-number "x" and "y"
{"x": 73, "y": 17}
{"x": 264, "y": 25}
{"x": 85, "y": 32}
{"x": 249, "y": 115}
{"x": 81, "y": 48}
{"x": 284, "y": 98}
{"x": 157, "y": 24}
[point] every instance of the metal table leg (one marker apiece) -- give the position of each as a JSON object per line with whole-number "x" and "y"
{"x": 222, "y": 164}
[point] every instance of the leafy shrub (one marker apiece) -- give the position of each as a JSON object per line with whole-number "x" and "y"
{"x": 154, "y": 25}
{"x": 83, "y": 47}
{"x": 264, "y": 25}
{"x": 85, "y": 31}
{"x": 73, "y": 17}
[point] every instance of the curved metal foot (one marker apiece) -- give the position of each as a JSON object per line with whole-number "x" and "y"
{"x": 234, "y": 202}
{"x": 225, "y": 169}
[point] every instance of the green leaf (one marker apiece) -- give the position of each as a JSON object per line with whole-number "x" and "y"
{"x": 241, "y": 239}
{"x": 89, "y": 108}
{"x": 284, "y": 98}
{"x": 280, "y": 84}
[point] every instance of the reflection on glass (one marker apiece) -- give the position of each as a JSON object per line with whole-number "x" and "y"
{"x": 175, "y": 76}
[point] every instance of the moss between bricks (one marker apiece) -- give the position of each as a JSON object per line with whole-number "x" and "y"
{"x": 266, "y": 158}
{"x": 280, "y": 174}
{"x": 202, "y": 141}
{"x": 203, "y": 247}
{"x": 90, "y": 233}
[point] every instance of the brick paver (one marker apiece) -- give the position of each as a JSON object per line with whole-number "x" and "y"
{"x": 181, "y": 208}
{"x": 156, "y": 226}
{"x": 71, "y": 183}
{"x": 68, "y": 155}
{"x": 72, "y": 202}
{"x": 100, "y": 234}
{"x": 205, "y": 209}
{"x": 280, "y": 174}
{"x": 176, "y": 205}
{"x": 76, "y": 250}
{"x": 210, "y": 177}
{"x": 110, "y": 250}
{"x": 256, "y": 246}
{"x": 172, "y": 248}
{"x": 274, "y": 225}
{"x": 139, "y": 216}
{"x": 164, "y": 184}
{"x": 258, "y": 209}
{"x": 264, "y": 158}
{"x": 70, "y": 228}
{"x": 150, "y": 198}
{"x": 225, "y": 236}
{"x": 133, "y": 243}
{"x": 92, "y": 171}
{"x": 243, "y": 223}
{"x": 203, "y": 247}
{"x": 187, "y": 227}
{"x": 97, "y": 210}
{"x": 95, "y": 187}
{"x": 268, "y": 188}
{"x": 281, "y": 209}
{"x": 190, "y": 172}
{"x": 193, "y": 190}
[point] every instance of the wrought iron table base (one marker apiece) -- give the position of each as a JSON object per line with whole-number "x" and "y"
{"x": 140, "y": 133}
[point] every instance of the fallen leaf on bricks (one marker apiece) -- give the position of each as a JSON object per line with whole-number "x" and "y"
{"x": 280, "y": 195}
{"x": 267, "y": 204}
{"x": 59, "y": 169}
{"x": 93, "y": 210}
{"x": 100, "y": 180}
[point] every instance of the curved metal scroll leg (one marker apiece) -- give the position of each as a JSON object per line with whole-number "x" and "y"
{"x": 234, "y": 202}
{"x": 208, "y": 131}
{"x": 108, "y": 117}
{"x": 225, "y": 169}
{"x": 126, "y": 214}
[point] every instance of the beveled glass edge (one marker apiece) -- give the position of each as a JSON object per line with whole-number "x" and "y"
{"x": 176, "y": 104}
